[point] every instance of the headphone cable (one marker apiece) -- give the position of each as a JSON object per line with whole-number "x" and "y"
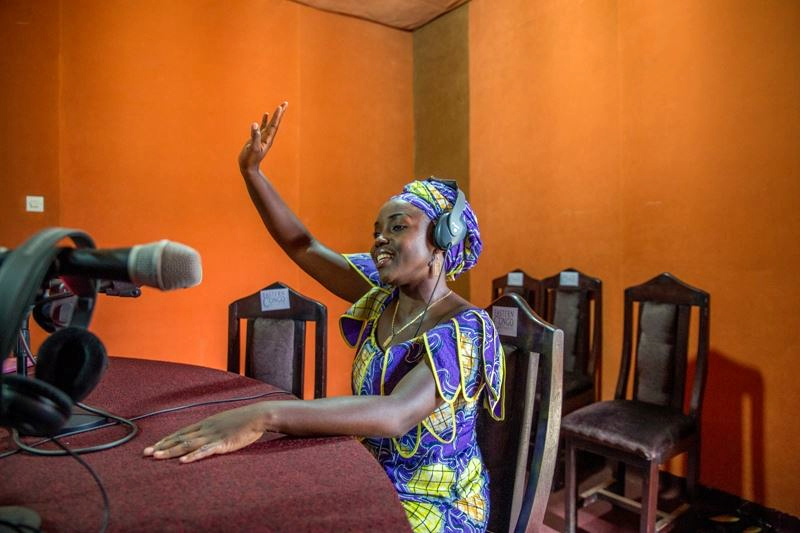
{"x": 31, "y": 448}
{"x": 134, "y": 429}
{"x": 210, "y": 402}
{"x": 103, "y": 493}
{"x": 430, "y": 298}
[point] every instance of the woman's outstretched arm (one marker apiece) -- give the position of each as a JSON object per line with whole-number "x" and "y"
{"x": 320, "y": 262}
{"x": 413, "y": 400}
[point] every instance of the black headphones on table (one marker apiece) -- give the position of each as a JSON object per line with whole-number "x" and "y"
{"x": 71, "y": 361}
{"x": 450, "y": 228}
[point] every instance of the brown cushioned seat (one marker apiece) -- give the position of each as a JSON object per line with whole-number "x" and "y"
{"x": 641, "y": 428}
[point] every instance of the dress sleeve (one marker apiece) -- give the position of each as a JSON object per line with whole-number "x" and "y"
{"x": 466, "y": 357}
{"x": 364, "y": 265}
{"x": 354, "y": 321}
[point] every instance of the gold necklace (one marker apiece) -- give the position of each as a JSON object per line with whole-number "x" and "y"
{"x": 394, "y": 315}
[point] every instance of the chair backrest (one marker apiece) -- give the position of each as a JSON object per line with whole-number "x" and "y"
{"x": 573, "y": 302}
{"x": 658, "y": 345}
{"x": 520, "y": 478}
{"x": 275, "y": 340}
{"x": 520, "y": 283}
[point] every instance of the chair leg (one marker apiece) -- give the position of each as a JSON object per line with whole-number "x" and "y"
{"x": 570, "y": 489}
{"x": 692, "y": 472}
{"x": 618, "y": 471}
{"x": 647, "y": 520}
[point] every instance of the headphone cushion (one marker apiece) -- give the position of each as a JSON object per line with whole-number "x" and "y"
{"x": 442, "y": 237}
{"x": 32, "y": 406}
{"x": 72, "y": 359}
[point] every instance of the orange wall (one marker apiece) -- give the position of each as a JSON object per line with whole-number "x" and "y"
{"x": 711, "y": 128}
{"x": 546, "y": 183}
{"x": 29, "y": 132}
{"x": 155, "y": 100}
{"x": 630, "y": 138}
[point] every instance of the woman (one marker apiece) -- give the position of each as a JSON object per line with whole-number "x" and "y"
{"x": 426, "y": 360}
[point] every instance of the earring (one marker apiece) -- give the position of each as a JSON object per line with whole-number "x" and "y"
{"x": 433, "y": 260}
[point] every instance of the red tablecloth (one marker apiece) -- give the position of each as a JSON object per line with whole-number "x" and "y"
{"x": 277, "y": 484}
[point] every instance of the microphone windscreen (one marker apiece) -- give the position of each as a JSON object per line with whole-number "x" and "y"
{"x": 166, "y": 265}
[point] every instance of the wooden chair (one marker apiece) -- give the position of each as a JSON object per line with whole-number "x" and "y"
{"x": 573, "y": 302}
{"x": 646, "y": 424}
{"x": 521, "y": 477}
{"x": 521, "y": 283}
{"x": 275, "y": 342}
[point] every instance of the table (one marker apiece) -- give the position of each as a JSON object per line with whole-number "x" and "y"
{"x": 277, "y": 484}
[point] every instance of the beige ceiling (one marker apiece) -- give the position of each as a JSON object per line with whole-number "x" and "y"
{"x": 402, "y": 14}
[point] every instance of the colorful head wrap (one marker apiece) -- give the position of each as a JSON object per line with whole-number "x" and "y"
{"x": 434, "y": 198}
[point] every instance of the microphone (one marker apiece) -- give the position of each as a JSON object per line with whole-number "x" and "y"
{"x": 164, "y": 265}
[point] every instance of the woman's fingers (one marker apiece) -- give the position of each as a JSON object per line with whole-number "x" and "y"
{"x": 183, "y": 438}
{"x": 202, "y": 452}
{"x": 276, "y": 117}
{"x": 255, "y": 134}
{"x": 179, "y": 446}
{"x": 269, "y": 131}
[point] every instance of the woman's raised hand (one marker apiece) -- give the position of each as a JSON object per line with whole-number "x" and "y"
{"x": 261, "y": 138}
{"x": 222, "y": 433}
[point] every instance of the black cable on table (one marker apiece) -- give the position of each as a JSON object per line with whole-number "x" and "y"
{"x": 32, "y": 448}
{"x": 103, "y": 493}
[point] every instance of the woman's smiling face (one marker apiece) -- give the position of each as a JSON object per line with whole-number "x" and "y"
{"x": 401, "y": 248}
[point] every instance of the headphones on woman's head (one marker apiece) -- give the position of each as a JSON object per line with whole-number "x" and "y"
{"x": 450, "y": 228}
{"x": 71, "y": 361}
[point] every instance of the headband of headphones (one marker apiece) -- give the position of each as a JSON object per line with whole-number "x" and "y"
{"x": 22, "y": 275}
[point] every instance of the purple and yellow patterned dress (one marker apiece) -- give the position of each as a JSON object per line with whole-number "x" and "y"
{"x": 436, "y": 467}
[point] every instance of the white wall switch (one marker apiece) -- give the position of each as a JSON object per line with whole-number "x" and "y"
{"x": 34, "y": 204}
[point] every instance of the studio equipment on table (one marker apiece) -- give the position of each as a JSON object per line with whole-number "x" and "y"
{"x": 58, "y": 285}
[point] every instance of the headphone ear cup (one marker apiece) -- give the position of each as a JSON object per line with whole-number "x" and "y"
{"x": 72, "y": 359}
{"x": 441, "y": 234}
{"x": 442, "y": 237}
{"x": 32, "y": 406}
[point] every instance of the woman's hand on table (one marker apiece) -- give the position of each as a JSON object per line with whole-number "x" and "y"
{"x": 222, "y": 433}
